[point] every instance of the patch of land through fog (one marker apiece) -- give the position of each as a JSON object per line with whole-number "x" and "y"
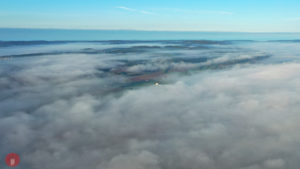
{"x": 151, "y": 104}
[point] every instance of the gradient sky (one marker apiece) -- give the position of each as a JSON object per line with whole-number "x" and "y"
{"x": 182, "y": 15}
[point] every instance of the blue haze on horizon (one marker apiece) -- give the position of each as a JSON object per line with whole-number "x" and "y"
{"x": 91, "y": 35}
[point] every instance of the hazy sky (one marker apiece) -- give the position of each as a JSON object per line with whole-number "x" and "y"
{"x": 183, "y": 15}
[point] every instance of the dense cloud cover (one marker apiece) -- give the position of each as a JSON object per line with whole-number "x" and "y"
{"x": 219, "y": 106}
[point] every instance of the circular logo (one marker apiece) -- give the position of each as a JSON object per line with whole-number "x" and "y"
{"x": 12, "y": 159}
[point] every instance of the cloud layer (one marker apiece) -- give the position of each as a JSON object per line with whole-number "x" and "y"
{"x": 62, "y": 112}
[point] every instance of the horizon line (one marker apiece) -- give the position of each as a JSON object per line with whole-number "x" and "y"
{"x": 142, "y": 30}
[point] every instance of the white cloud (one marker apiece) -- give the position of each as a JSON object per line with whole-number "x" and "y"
{"x": 228, "y": 119}
{"x": 238, "y": 118}
{"x": 125, "y": 8}
{"x": 135, "y": 10}
{"x": 202, "y": 12}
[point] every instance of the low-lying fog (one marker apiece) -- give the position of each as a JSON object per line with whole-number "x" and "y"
{"x": 151, "y": 104}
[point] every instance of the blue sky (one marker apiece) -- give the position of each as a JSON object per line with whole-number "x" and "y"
{"x": 174, "y": 15}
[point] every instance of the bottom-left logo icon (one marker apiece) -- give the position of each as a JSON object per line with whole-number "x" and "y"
{"x": 12, "y": 159}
